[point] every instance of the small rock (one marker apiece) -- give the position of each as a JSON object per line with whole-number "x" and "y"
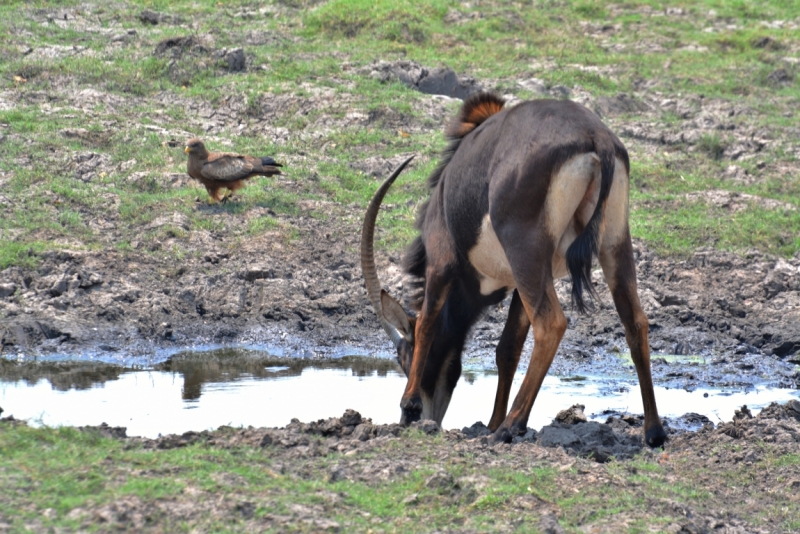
{"x": 60, "y": 287}
{"x": 6, "y": 290}
{"x": 742, "y": 413}
{"x": 682, "y": 348}
{"x": 765, "y": 42}
{"x": 390, "y": 430}
{"x": 411, "y": 499}
{"x": 440, "y": 481}
{"x": 633, "y": 420}
{"x": 672, "y": 300}
{"x": 256, "y": 272}
{"x": 572, "y": 415}
{"x": 534, "y": 84}
{"x": 236, "y": 60}
{"x": 779, "y": 77}
{"x": 149, "y": 17}
{"x": 476, "y": 430}
{"x": 175, "y": 46}
{"x": 362, "y": 432}
{"x": 331, "y": 427}
{"x": 350, "y": 418}
{"x": 437, "y": 81}
{"x": 617, "y": 105}
{"x": 793, "y": 408}
{"x": 121, "y": 37}
{"x": 337, "y": 473}
{"x": 548, "y": 524}
{"x": 560, "y": 91}
{"x": 443, "y": 81}
{"x": 427, "y": 426}
{"x": 153, "y": 18}
{"x": 326, "y": 525}
{"x": 247, "y": 509}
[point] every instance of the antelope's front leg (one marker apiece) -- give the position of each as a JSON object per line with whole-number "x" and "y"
{"x": 509, "y": 349}
{"x": 436, "y": 290}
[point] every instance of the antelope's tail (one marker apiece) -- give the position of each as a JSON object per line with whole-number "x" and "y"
{"x": 585, "y": 247}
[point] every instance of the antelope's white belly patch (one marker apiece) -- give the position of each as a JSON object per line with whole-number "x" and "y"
{"x": 489, "y": 259}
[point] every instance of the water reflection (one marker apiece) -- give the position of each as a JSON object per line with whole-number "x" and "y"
{"x": 231, "y": 365}
{"x": 62, "y": 375}
{"x": 196, "y": 369}
{"x": 196, "y": 391}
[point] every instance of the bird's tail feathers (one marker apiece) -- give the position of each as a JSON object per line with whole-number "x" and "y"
{"x": 266, "y": 160}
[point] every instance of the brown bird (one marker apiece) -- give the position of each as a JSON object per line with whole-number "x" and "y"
{"x": 225, "y": 170}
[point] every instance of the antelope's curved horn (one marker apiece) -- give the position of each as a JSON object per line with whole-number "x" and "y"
{"x": 368, "y": 267}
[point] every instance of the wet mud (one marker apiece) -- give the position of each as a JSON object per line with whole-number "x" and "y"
{"x": 570, "y": 431}
{"x": 308, "y": 302}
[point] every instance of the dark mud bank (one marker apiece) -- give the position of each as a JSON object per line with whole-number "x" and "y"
{"x": 570, "y": 431}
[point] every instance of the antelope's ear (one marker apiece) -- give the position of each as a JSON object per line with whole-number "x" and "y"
{"x": 394, "y": 313}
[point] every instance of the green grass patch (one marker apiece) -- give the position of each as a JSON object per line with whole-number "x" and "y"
{"x": 66, "y": 478}
{"x": 129, "y": 102}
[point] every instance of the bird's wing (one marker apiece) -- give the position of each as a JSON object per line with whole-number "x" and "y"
{"x": 224, "y": 167}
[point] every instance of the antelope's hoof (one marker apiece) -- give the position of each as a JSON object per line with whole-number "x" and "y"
{"x": 502, "y": 435}
{"x": 412, "y": 410}
{"x": 655, "y": 437}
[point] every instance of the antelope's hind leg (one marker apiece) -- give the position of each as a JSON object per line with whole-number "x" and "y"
{"x": 531, "y": 262}
{"x": 619, "y": 268}
{"x": 620, "y": 272}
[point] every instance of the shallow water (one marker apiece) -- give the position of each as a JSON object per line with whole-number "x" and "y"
{"x": 197, "y": 391}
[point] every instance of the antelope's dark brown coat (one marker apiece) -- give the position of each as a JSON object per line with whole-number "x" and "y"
{"x": 522, "y": 195}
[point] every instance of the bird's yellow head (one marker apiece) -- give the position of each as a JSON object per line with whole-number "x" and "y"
{"x": 194, "y": 146}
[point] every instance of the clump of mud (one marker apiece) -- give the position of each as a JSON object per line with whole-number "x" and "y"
{"x": 432, "y": 81}
{"x": 190, "y": 57}
{"x": 618, "y": 438}
{"x": 153, "y": 18}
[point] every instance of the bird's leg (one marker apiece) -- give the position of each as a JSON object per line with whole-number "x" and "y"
{"x": 226, "y": 196}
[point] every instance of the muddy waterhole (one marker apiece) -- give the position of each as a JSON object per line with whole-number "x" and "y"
{"x": 237, "y": 387}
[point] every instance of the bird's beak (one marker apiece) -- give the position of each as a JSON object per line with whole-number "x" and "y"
{"x": 186, "y": 150}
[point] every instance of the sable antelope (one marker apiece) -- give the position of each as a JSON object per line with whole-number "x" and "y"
{"x": 522, "y": 195}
